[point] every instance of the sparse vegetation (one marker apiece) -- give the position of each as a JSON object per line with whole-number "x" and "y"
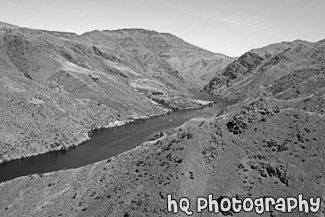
{"x": 271, "y": 143}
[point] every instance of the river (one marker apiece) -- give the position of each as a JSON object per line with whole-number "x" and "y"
{"x": 106, "y": 143}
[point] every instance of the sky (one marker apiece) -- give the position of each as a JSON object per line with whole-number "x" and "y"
{"x": 230, "y": 27}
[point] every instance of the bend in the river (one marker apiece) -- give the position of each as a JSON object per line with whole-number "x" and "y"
{"x": 106, "y": 143}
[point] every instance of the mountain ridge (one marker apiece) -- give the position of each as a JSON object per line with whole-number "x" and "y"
{"x": 258, "y": 68}
{"x": 93, "y": 82}
{"x": 269, "y": 144}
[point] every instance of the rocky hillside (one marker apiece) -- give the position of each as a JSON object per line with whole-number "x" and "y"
{"x": 258, "y": 69}
{"x": 270, "y": 144}
{"x": 56, "y": 86}
{"x": 261, "y": 148}
{"x": 191, "y": 62}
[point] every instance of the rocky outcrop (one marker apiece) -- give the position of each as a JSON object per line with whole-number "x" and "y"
{"x": 256, "y": 70}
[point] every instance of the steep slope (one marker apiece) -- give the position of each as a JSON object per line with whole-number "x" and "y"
{"x": 171, "y": 50}
{"x": 205, "y": 69}
{"x": 257, "y": 69}
{"x": 264, "y": 147}
{"x": 52, "y": 97}
{"x": 56, "y": 87}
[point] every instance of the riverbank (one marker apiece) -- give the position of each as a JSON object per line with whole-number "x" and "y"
{"x": 218, "y": 96}
{"x": 83, "y": 138}
{"x": 104, "y": 143}
{"x": 240, "y": 144}
{"x": 86, "y": 134}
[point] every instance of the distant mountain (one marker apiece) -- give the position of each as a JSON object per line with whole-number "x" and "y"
{"x": 151, "y": 46}
{"x": 57, "y": 86}
{"x": 258, "y": 69}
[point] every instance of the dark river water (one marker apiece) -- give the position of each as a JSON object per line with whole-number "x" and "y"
{"x": 106, "y": 143}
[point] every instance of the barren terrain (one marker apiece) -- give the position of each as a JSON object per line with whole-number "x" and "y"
{"x": 256, "y": 70}
{"x": 267, "y": 147}
{"x": 56, "y": 87}
{"x": 271, "y": 143}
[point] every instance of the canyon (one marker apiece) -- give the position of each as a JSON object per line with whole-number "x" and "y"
{"x": 268, "y": 144}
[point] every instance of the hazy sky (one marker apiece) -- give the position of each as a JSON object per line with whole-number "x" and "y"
{"x": 231, "y": 27}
